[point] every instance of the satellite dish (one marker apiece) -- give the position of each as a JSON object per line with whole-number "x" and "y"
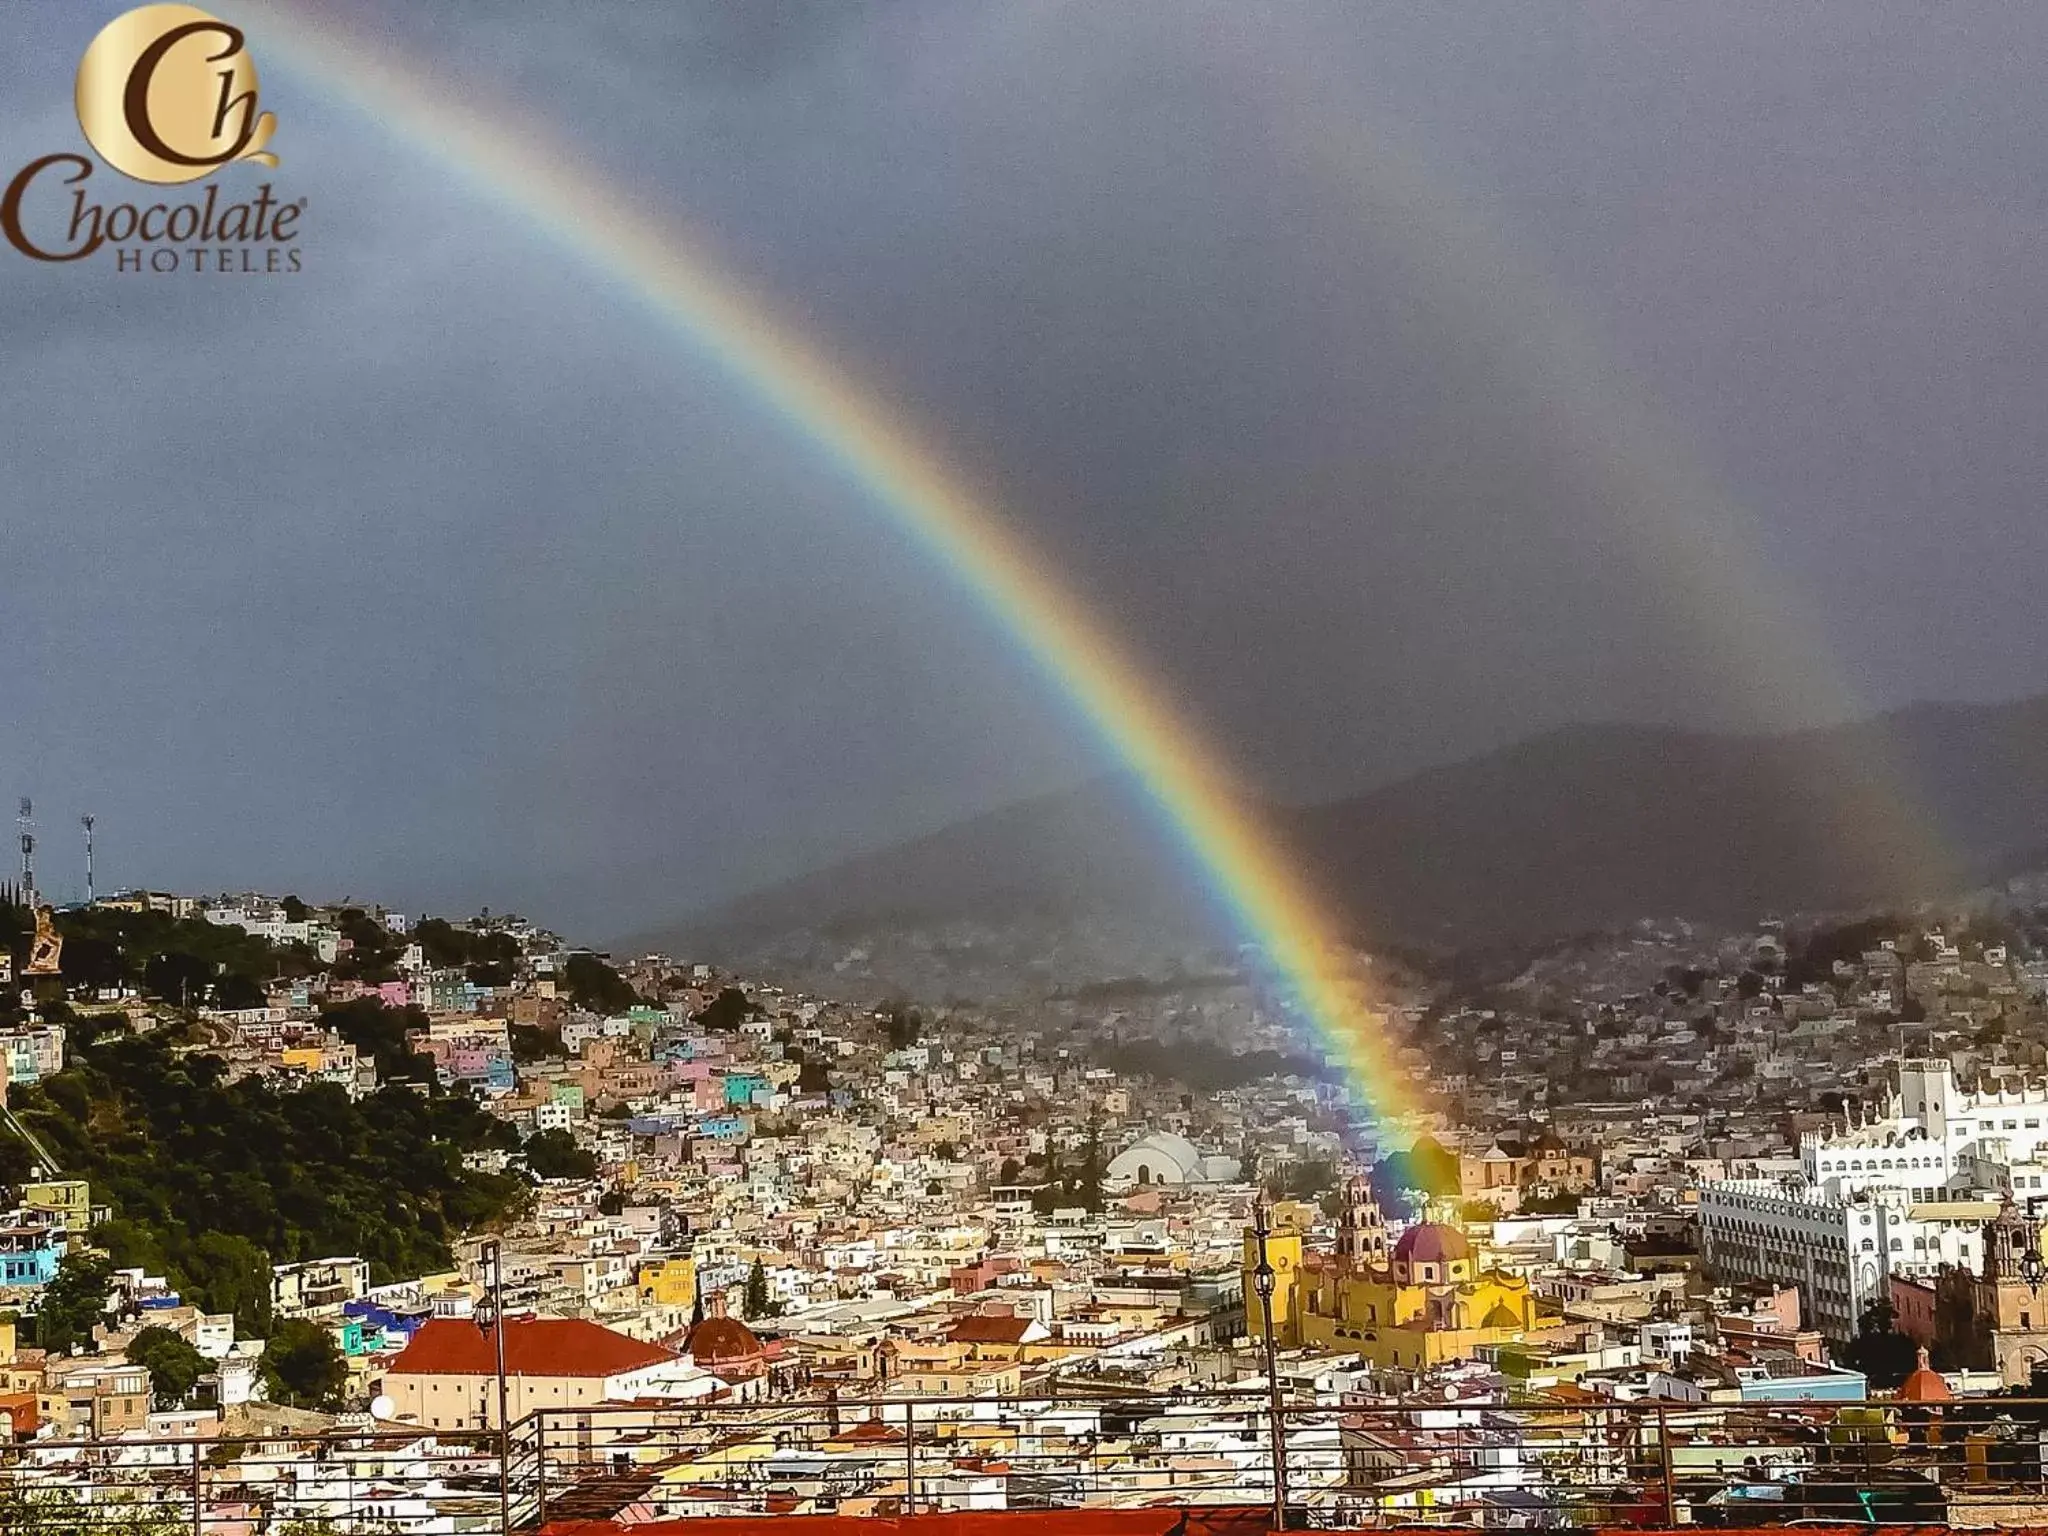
{"x": 381, "y": 1407}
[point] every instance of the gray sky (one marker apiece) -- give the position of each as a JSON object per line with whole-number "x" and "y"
{"x": 1402, "y": 379}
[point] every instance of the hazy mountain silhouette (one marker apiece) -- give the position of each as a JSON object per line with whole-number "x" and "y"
{"x": 1584, "y": 827}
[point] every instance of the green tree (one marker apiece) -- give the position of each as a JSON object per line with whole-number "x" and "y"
{"x": 1882, "y": 1353}
{"x": 1088, "y": 1183}
{"x": 901, "y": 1024}
{"x": 442, "y": 942}
{"x": 302, "y": 1366}
{"x": 226, "y": 1273}
{"x": 532, "y": 1043}
{"x": 74, "y": 1300}
{"x": 754, "y": 1299}
{"x": 212, "y": 1182}
{"x": 174, "y": 1365}
{"x": 380, "y": 1033}
{"x": 596, "y": 986}
{"x": 17, "y": 1163}
{"x": 812, "y": 1076}
{"x": 1303, "y": 1180}
{"x": 1431, "y": 1167}
{"x": 173, "y": 958}
{"x": 60, "y": 1512}
{"x": 372, "y": 954}
{"x": 725, "y": 1012}
{"x": 179, "y": 978}
{"x": 555, "y": 1155}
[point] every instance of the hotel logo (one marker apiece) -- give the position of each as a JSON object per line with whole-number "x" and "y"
{"x": 166, "y": 95}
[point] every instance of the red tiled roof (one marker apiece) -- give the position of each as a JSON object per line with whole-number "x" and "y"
{"x": 722, "y": 1338}
{"x": 868, "y": 1432}
{"x": 990, "y": 1328}
{"x": 534, "y": 1346}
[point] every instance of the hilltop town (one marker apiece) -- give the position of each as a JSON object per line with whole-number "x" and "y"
{"x": 285, "y": 1169}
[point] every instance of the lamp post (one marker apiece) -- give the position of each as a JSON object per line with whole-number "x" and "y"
{"x": 2033, "y": 1270}
{"x": 1263, "y": 1283}
{"x": 491, "y": 1255}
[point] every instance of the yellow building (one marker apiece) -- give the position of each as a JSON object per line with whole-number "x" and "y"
{"x": 668, "y": 1282}
{"x": 1423, "y": 1302}
{"x": 69, "y": 1198}
{"x": 947, "y": 1368}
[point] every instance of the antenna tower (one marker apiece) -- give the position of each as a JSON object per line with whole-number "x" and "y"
{"x": 27, "y": 822}
{"x": 86, "y": 822}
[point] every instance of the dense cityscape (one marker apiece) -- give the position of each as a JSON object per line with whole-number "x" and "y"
{"x": 279, "y": 1170}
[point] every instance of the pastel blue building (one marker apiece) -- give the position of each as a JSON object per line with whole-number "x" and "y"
{"x": 30, "y": 1258}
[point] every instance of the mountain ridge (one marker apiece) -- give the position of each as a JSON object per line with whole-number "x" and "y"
{"x": 1584, "y": 826}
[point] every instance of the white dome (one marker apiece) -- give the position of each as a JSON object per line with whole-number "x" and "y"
{"x": 1159, "y": 1157}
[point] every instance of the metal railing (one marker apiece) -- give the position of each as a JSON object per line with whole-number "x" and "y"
{"x": 1346, "y": 1466}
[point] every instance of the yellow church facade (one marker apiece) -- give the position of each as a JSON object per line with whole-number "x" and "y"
{"x": 1424, "y": 1302}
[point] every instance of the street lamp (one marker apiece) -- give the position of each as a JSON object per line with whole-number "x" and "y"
{"x": 2033, "y": 1269}
{"x": 1263, "y": 1283}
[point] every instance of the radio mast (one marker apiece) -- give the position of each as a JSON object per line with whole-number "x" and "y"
{"x": 86, "y": 822}
{"x": 26, "y": 821}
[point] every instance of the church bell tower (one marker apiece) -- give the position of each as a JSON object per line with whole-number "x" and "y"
{"x": 1362, "y": 1235}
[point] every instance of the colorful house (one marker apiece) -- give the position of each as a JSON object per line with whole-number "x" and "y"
{"x": 29, "y": 1255}
{"x": 741, "y": 1087}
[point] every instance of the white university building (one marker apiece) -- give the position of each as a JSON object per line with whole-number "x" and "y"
{"x": 1905, "y": 1192}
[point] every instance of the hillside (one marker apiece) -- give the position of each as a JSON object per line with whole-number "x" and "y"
{"x": 1584, "y": 827}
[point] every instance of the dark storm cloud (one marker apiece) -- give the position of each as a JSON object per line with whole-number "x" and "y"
{"x": 439, "y": 570}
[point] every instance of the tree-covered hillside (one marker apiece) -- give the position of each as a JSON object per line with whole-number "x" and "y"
{"x": 185, "y": 962}
{"x": 212, "y": 1183}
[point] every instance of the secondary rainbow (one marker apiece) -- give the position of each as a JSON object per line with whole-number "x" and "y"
{"x": 610, "y": 227}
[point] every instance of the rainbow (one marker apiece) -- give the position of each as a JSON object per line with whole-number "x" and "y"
{"x": 843, "y": 420}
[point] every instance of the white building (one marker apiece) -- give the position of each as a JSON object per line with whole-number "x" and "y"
{"x": 318, "y": 1286}
{"x": 1164, "y": 1157}
{"x": 1934, "y": 1139}
{"x": 1834, "y": 1250}
{"x": 552, "y": 1117}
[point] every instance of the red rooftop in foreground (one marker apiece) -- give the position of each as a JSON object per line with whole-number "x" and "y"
{"x": 445, "y": 1378}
